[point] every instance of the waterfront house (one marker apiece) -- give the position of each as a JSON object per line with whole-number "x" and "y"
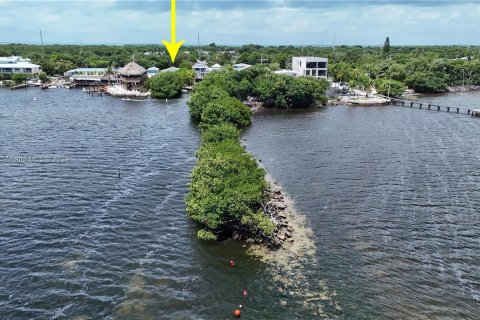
{"x": 153, "y": 71}
{"x": 311, "y": 66}
{"x": 86, "y": 76}
{"x": 17, "y": 64}
{"x": 132, "y": 76}
{"x": 201, "y": 69}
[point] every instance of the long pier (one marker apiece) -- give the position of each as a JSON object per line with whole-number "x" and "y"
{"x": 434, "y": 107}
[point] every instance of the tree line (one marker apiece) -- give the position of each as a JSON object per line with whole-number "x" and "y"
{"x": 422, "y": 68}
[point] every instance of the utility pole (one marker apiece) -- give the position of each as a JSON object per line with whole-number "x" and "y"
{"x": 198, "y": 45}
{"x": 41, "y": 41}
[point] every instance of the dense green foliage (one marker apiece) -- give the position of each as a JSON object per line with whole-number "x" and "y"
{"x": 226, "y": 110}
{"x": 19, "y": 77}
{"x": 169, "y": 84}
{"x": 427, "y": 82}
{"x": 226, "y": 186}
{"x": 391, "y": 88}
{"x": 166, "y": 85}
{"x": 272, "y": 89}
{"x": 288, "y": 92}
{"x": 202, "y": 96}
{"x": 43, "y": 76}
{"x": 218, "y": 133}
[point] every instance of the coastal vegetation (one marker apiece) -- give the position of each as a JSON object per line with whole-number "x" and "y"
{"x": 228, "y": 191}
{"x": 425, "y": 69}
{"x": 19, "y": 78}
{"x": 170, "y": 84}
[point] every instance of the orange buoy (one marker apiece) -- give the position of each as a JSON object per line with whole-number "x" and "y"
{"x": 237, "y": 313}
{"x": 232, "y": 263}
{"x": 245, "y": 292}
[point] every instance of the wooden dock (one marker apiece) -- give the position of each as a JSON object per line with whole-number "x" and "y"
{"x": 476, "y": 112}
{"x": 434, "y": 107}
{"x": 19, "y": 86}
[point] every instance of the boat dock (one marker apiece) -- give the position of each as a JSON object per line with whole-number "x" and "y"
{"x": 476, "y": 112}
{"x": 434, "y": 107}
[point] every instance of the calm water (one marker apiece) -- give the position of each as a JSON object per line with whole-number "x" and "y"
{"x": 99, "y": 230}
{"x": 393, "y": 195}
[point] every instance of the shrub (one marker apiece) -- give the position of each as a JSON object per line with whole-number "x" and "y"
{"x": 201, "y": 97}
{"x": 391, "y": 88}
{"x": 19, "y": 77}
{"x": 218, "y": 133}
{"x": 283, "y": 91}
{"x": 166, "y": 85}
{"x": 206, "y": 235}
{"x": 226, "y": 110}
{"x": 259, "y": 221}
{"x": 427, "y": 82}
{"x": 226, "y": 185}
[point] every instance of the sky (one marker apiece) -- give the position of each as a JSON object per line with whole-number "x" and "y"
{"x": 273, "y": 22}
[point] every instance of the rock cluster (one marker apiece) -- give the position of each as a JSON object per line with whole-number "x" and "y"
{"x": 276, "y": 207}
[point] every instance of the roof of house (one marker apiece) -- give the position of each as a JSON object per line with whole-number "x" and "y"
{"x": 241, "y": 64}
{"x": 153, "y": 69}
{"x": 22, "y": 64}
{"x": 171, "y": 69}
{"x": 313, "y": 59}
{"x": 216, "y": 66}
{"x": 200, "y": 64}
{"x": 132, "y": 69}
{"x": 13, "y": 59}
{"x": 89, "y": 70}
{"x": 109, "y": 77}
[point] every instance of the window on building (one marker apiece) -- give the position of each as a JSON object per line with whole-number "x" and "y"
{"x": 314, "y": 73}
{"x": 322, "y": 65}
{"x": 311, "y": 65}
{"x": 307, "y": 72}
{"x": 322, "y": 73}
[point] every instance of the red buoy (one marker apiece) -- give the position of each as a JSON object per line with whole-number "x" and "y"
{"x": 232, "y": 263}
{"x": 237, "y": 313}
{"x": 245, "y": 292}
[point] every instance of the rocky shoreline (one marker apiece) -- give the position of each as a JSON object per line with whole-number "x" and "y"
{"x": 292, "y": 238}
{"x": 463, "y": 88}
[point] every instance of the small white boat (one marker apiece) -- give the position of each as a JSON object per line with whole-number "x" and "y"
{"x": 52, "y": 87}
{"x": 128, "y": 99}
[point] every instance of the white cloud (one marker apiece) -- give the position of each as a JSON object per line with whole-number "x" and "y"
{"x": 149, "y": 22}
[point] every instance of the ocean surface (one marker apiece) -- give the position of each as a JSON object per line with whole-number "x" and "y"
{"x": 93, "y": 223}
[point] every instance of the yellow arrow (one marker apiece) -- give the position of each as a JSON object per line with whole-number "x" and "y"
{"x": 173, "y": 46}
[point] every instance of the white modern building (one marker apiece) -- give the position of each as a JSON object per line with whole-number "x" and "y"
{"x": 311, "y": 66}
{"x": 17, "y": 64}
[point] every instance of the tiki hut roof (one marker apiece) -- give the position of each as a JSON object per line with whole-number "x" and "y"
{"x": 132, "y": 69}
